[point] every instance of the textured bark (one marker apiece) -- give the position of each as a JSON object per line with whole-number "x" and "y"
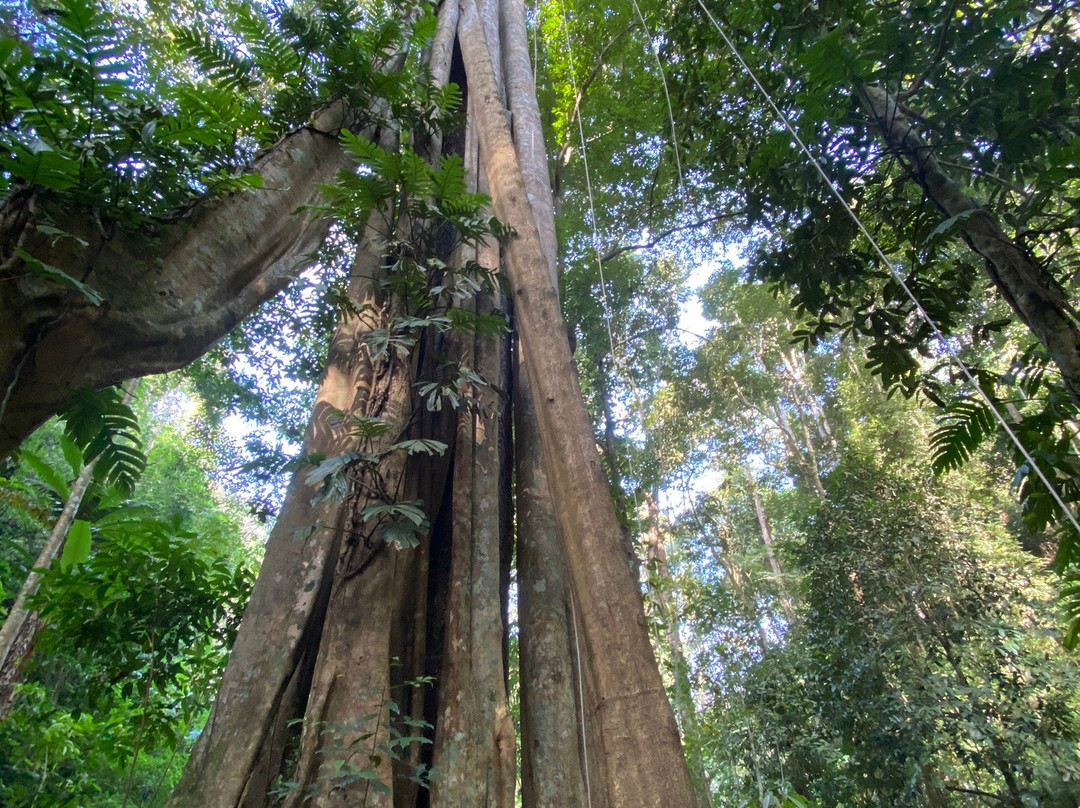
{"x": 555, "y": 736}
{"x": 1023, "y": 280}
{"x": 552, "y": 762}
{"x": 330, "y": 614}
{"x": 169, "y": 294}
{"x": 616, "y": 644}
{"x": 309, "y": 565}
{"x": 474, "y": 750}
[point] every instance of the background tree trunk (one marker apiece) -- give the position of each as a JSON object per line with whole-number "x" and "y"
{"x": 1024, "y": 282}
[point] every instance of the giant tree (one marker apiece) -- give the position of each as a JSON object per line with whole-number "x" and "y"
{"x": 391, "y": 570}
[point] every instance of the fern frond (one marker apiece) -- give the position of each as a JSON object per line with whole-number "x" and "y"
{"x": 271, "y": 52}
{"x": 963, "y": 427}
{"x": 1070, "y": 607}
{"x": 224, "y": 65}
{"x": 106, "y": 429}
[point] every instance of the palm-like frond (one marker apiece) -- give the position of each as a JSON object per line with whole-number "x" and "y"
{"x": 966, "y": 423}
{"x": 106, "y": 429}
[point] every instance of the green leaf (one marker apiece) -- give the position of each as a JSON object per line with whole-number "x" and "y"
{"x": 76, "y": 545}
{"x": 949, "y": 225}
{"x": 421, "y": 446}
{"x": 238, "y": 182}
{"x": 966, "y": 423}
{"x": 105, "y": 428}
{"x": 402, "y": 534}
{"x": 411, "y": 510}
{"x": 331, "y": 466}
{"x": 53, "y": 273}
{"x": 72, "y": 454}
{"x": 46, "y": 473}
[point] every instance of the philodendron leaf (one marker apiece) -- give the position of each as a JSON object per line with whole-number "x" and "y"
{"x": 76, "y": 546}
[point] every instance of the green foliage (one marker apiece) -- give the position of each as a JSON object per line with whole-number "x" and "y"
{"x": 105, "y": 428}
{"x": 922, "y": 661}
{"x": 356, "y": 749}
{"x": 135, "y": 639}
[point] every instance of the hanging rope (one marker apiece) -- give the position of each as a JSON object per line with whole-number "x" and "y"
{"x": 667, "y": 95}
{"x": 885, "y": 262}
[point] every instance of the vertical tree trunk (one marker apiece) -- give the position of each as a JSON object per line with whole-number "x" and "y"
{"x": 554, "y": 766}
{"x": 339, "y": 624}
{"x": 621, "y": 663}
{"x": 765, "y": 530}
{"x": 660, "y": 585}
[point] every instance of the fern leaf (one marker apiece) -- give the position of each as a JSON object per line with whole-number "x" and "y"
{"x": 227, "y": 68}
{"x": 106, "y": 429}
{"x": 1070, "y": 607}
{"x": 963, "y": 427}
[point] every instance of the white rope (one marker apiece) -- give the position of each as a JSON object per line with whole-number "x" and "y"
{"x": 948, "y": 349}
{"x": 581, "y": 700}
{"x": 588, "y": 184}
{"x": 667, "y": 95}
{"x": 617, "y": 363}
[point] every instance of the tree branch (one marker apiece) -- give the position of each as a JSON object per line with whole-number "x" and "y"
{"x": 614, "y": 252}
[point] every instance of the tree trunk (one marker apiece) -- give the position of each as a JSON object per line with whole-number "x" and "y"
{"x": 765, "y": 529}
{"x": 14, "y": 638}
{"x": 660, "y": 584}
{"x": 19, "y": 632}
{"x": 629, "y": 690}
{"x": 1024, "y": 282}
{"x": 344, "y": 632}
{"x": 169, "y": 295}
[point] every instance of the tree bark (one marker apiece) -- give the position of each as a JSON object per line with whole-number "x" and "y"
{"x": 620, "y": 659}
{"x": 1023, "y": 280}
{"x": 168, "y": 294}
{"x": 332, "y": 610}
{"x": 555, "y": 769}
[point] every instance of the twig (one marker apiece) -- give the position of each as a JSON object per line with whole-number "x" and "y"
{"x": 617, "y": 251}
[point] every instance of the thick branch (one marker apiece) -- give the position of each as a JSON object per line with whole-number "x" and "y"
{"x": 614, "y": 252}
{"x": 168, "y": 295}
{"x": 1023, "y": 281}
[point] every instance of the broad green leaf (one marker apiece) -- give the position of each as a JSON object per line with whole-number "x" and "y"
{"x": 40, "y": 268}
{"x": 76, "y": 545}
{"x": 54, "y": 479}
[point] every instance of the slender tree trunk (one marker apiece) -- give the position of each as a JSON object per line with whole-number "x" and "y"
{"x": 554, "y": 767}
{"x": 20, "y": 611}
{"x": 1022, "y": 279}
{"x": 21, "y": 625}
{"x": 660, "y": 585}
{"x": 765, "y": 530}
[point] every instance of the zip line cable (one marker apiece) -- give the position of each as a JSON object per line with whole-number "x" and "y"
{"x": 944, "y": 344}
{"x": 588, "y": 184}
{"x": 667, "y": 95}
